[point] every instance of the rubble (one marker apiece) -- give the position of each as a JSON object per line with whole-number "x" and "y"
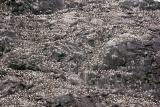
{"x": 79, "y": 53}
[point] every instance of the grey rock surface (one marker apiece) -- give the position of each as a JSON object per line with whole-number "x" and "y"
{"x": 142, "y": 4}
{"x": 79, "y": 53}
{"x": 34, "y": 6}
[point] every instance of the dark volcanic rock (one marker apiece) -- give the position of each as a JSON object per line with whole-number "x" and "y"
{"x": 70, "y": 101}
{"x": 129, "y": 53}
{"x": 114, "y": 58}
{"x": 142, "y": 4}
{"x": 58, "y": 56}
{"x": 64, "y": 101}
{"x": 9, "y": 34}
{"x": 100, "y": 53}
{"x": 47, "y": 6}
{"x": 86, "y": 102}
{"x": 10, "y": 87}
{"x": 34, "y": 6}
{"x": 24, "y": 62}
{"x": 2, "y": 72}
{"x": 6, "y": 44}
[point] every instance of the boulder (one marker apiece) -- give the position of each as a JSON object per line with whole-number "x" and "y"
{"x": 114, "y": 58}
{"x": 24, "y": 61}
{"x": 69, "y": 100}
{"x": 9, "y": 87}
{"x": 131, "y": 53}
{"x": 6, "y": 44}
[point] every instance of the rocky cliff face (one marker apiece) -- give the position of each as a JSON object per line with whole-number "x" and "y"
{"x": 80, "y": 53}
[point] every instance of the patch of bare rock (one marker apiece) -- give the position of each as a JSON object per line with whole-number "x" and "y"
{"x": 80, "y": 53}
{"x": 34, "y": 6}
{"x": 142, "y": 4}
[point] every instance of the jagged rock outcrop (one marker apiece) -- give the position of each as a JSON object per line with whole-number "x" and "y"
{"x": 101, "y": 53}
{"x": 141, "y": 4}
{"x": 71, "y": 101}
{"x": 126, "y": 50}
{"x": 6, "y": 41}
{"x": 33, "y": 6}
{"x": 9, "y": 87}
